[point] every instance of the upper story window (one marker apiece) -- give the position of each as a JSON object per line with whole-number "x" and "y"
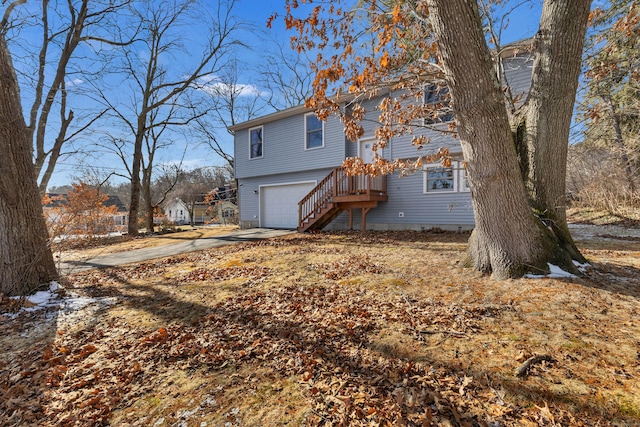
{"x": 438, "y": 97}
{"x": 313, "y": 128}
{"x": 255, "y": 143}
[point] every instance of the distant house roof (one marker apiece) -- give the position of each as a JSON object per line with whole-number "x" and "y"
{"x": 57, "y": 200}
{"x": 115, "y": 201}
{"x": 60, "y": 200}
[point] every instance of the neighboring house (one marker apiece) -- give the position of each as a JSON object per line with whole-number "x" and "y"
{"x": 177, "y": 212}
{"x": 121, "y": 218}
{"x": 287, "y": 165}
{"x": 201, "y": 210}
{"x": 56, "y": 208}
{"x": 227, "y": 212}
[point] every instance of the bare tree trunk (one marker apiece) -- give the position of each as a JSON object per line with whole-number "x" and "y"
{"x": 548, "y": 111}
{"x": 42, "y": 108}
{"x": 26, "y": 261}
{"x": 147, "y": 196}
{"x": 134, "y": 205}
{"x": 509, "y": 239}
{"x": 624, "y": 157}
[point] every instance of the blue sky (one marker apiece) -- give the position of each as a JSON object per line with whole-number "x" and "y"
{"x": 254, "y": 14}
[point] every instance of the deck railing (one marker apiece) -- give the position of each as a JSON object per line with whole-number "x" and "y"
{"x": 338, "y": 185}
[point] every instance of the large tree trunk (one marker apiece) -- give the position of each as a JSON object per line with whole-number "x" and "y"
{"x": 509, "y": 239}
{"x": 547, "y": 113}
{"x": 26, "y": 261}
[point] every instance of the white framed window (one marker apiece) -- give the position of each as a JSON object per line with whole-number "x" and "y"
{"x": 313, "y": 131}
{"x": 440, "y": 179}
{"x": 255, "y": 143}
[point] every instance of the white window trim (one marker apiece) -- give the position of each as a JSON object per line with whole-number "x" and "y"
{"x": 463, "y": 178}
{"x": 305, "y": 133}
{"x": 262, "y": 132}
{"x": 454, "y": 188}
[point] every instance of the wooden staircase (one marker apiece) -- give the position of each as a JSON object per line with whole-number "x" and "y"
{"x": 339, "y": 192}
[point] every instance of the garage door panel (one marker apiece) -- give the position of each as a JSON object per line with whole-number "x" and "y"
{"x": 279, "y": 204}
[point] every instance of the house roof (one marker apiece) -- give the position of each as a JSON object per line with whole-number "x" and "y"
{"x": 58, "y": 200}
{"x": 270, "y": 117}
{"x": 115, "y": 201}
{"x": 506, "y": 51}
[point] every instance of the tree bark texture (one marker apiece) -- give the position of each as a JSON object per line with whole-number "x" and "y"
{"x": 134, "y": 205}
{"x": 509, "y": 239}
{"x": 146, "y": 195}
{"x": 549, "y": 106}
{"x": 506, "y": 236}
{"x": 548, "y": 110}
{"x": 26, "y": 261}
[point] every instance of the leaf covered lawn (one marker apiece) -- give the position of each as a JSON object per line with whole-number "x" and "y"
{"x": 329, "y": 329}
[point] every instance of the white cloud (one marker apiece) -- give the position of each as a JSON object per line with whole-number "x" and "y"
{"x": 74, "y": 82}
{"x": 213, "y": 85}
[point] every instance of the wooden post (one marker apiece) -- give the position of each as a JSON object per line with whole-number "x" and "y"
{"x": 363, "y": 226}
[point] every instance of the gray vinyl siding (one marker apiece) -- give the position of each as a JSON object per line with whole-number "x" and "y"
{"x": 285, "y": 161}
{"x": 401, "y": 147}
{"x": 421, "y": 211}
{"x": 517, "y": 73}
{"x": 351, "y": 148}
{"x": 283, "y": 149}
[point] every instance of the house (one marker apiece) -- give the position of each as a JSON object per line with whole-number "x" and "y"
{"x": 203, "y": 209}
{"x": 288, "y": 170}
{"x": 226, "y": 212}
{"x": 181, "y": 212}
{"x": 176, "y": 211}
{"x": 58, "y": 209}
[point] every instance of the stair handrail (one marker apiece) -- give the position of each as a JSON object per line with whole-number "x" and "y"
{"x": 318, "y": 196}
{"x": 338, "y": 183}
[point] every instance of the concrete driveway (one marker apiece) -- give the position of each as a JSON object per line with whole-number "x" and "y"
{"x": 139, "y": 255}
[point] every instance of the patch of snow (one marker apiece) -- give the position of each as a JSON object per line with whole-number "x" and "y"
{"x": 40, "y": 300}
{"x": 64, "y": 237}
{"x": 209, "y": 401}
{"x": 555, "y": 272}
{"x": 581, "y": 266}
{"x": 64, "y": 310}
{"x": 186, "y": 413}
{"x": 75, "y": 308}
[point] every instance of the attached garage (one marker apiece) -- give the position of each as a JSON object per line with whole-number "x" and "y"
{"x": 279, "y": 204}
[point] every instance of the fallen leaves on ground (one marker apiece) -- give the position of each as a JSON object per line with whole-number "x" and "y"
{"x": 329, "y": 329}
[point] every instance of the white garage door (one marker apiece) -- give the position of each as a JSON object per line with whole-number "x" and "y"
{"x": 279, "y": 204}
